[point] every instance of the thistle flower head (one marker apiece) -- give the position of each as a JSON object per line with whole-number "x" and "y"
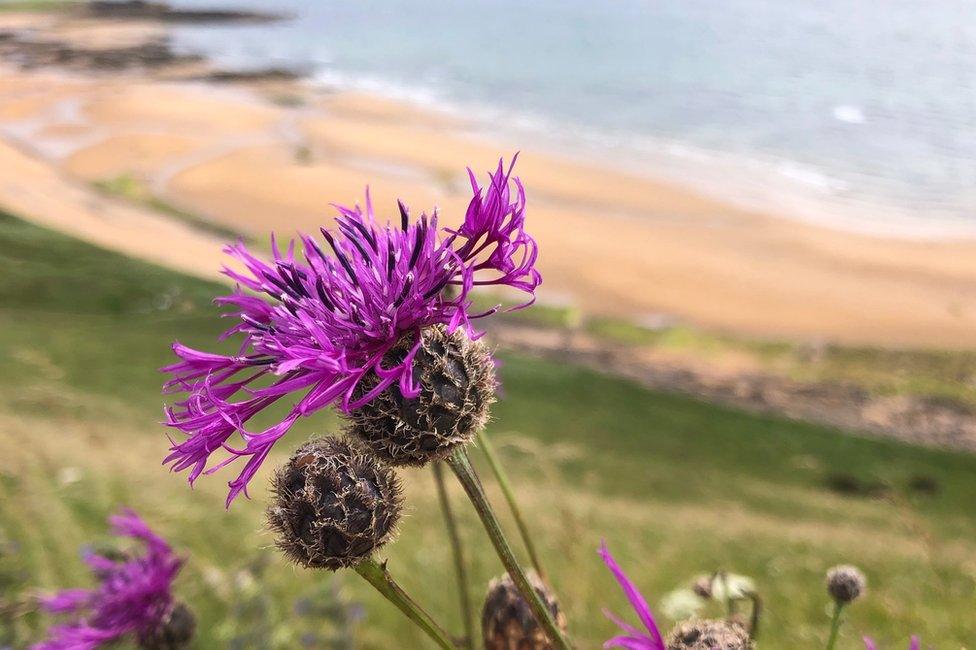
{"x": 175, "y": 632}
{"x": 456, "y": 379}
{"x": 133, "y": 597}
{"x": 709, "y": 635}
{"x": 845, "y": 583}
{"x": 333, "y": 505}
{"x": 319, "y": 321}
{"x": 507, "y": 621}
{"x": 632, "y": 638}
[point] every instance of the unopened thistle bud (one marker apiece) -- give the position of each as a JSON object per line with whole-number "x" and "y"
{"x": 175, "y": 631}
{"x": 457, "y": 384}
{"x": 845, "y": 583}
{"x": 333, "y": 505}
{"x": 709, "y": 635}
{"x": 507, "y": 622}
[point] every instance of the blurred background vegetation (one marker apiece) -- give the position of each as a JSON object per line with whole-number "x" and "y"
{"x": 676, "y": 486}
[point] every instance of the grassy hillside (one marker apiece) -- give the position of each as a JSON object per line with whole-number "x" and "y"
{"x": 677, "y": 487}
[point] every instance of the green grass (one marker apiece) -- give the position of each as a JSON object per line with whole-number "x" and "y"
{"x": 288, "y": 100}
{"x": 676, "y": 486}
{"x": 938, "y": 375}
{"x": 540, "y": 315}
{"x": 35, "y": 5}
{"x": 133, "y": 189}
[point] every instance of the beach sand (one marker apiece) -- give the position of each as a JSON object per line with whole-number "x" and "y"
{"x": 272, "y": 157}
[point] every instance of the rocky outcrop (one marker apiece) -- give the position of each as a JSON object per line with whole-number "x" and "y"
{"x": 27, "y": 51}
{"x": 162, "y": 12}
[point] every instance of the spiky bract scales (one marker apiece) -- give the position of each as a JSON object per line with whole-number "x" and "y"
{"x": 333, "y": 505}
{"x": 456, "y": 376}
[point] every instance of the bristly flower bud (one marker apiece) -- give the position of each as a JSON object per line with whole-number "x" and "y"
{"x": 845, "y": 583}
{"x": 333, "y": 505}
{"x": 175, "y": 631}
{"x": 709, "y": 635}
{"x": 456, "y": 377}
{"x": 507, "y": 622}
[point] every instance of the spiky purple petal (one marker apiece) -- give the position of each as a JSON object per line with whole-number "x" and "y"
{"x": 634, "y": 639}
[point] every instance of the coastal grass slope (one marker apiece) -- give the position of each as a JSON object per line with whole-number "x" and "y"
{"x": 677, "y": 487}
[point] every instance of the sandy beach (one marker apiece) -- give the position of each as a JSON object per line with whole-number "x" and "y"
{"x": 272, "y": 156}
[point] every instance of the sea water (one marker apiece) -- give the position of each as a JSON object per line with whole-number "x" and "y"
{"x": 856, "y": 114}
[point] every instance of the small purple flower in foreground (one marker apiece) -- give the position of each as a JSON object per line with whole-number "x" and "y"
{"x": 133, "y": 596}
{"x": 915, "y": 644}
{"x": 634, "y": 639}
{"x": 323, "y": 321}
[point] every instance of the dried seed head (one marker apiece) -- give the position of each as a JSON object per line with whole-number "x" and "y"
{"x": 709, "y": 635}
{"x": 845, "y": 583}
{"x": 333, "y": 505}
{"x": 507, "y": 622}
{"x": 457, "y": 384}
{"x": 174, "y": 633}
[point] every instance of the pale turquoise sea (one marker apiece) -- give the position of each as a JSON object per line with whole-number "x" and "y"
{"x": 858, "y": 114}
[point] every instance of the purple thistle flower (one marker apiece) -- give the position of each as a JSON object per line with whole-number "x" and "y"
{"x": 133, "y": 596}
{"x": 634, "y": 639}
{"x": 323, "y": 319}
{"x": 915, "y": 644}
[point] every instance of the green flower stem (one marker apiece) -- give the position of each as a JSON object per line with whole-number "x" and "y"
{"x": 467, "y": 613}
{"x": 461, "y": 465}
{"x": 756, "y": 614}
{"x": 506, "y": 487}
{"x": 377, "y": 575}
{"x": 834, "y": 625}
